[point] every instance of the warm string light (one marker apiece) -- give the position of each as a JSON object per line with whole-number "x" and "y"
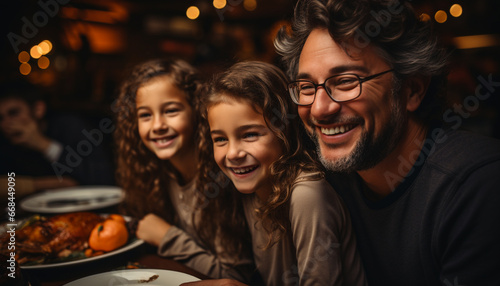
{"x": 441, "y": 16}
{"x": 219, "y": 4}
{"x": 456, "y": 10}
{"x": 193, "y": 12}
{"x": 37, "y": 52}
{"x": 250, "y": 5}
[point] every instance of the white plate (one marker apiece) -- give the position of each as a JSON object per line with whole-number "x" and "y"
{"x": 73, "y": 199}
{"x": 135, "y": 243}
{"x": 136, "y": 277}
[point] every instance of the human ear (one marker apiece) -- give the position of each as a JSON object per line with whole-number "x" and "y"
{"x": 415, "y": 89}
{"x": 39, "y": 109}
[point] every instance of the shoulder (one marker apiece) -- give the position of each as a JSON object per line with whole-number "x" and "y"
{"x": 460, "y": 152}
{"x": 311, "y": 190}
{"x": 314, "y": 196}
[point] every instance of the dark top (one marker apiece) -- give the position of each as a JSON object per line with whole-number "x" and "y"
{"x": 441, "y": 225}
{"x": 84, "y": 157}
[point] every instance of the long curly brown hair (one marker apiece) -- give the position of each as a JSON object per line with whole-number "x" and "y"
{"x": 142, "y": 175}
{"x": 145, "y": 178}
{"x": 264, "y": 87}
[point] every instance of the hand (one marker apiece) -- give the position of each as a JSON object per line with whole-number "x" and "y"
{"x": 28, "y": 134}
{"x": 151, "y": 228}
{"x": 215, "y": 282}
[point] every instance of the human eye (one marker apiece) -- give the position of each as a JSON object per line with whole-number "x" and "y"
{"x": 306, "y": 88}
{"x": 251, "y": 136}
{"x": 172, "y": 111}
{"x": 219, "y": 140}
{"x": 345, "y": 82}
{"x": 144, "y": 115}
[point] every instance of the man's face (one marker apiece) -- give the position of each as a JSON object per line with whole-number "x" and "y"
{"x": 15, "y": 115}
{"x": 353, "y": 135}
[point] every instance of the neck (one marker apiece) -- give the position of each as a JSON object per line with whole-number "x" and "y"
{"x": 383, "y": 179}
{"x": 186, "y": 167}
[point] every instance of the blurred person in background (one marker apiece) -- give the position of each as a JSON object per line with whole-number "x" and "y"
{"x": 46, "y": 150}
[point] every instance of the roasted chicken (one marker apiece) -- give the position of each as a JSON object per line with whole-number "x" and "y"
{"x": 57, "y": 236}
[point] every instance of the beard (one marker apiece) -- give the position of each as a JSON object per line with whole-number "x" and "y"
{"x": 370, "y": 149}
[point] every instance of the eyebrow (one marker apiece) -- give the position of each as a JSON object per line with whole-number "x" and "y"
{"x": 241, "y": 128}
{"x": 162, "y": 105}
{"x": 337, "y": 70}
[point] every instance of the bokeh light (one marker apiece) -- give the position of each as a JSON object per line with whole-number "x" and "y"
{"x": 219, "y": 4}
{"x": 46, "y": 47}
{"x": 36, "y": 52}
{"x": 250, "y": 5}
{"x": 25, "y": 69}
{"x": 193, "y": 12}
{"x": 43, "y": 62}
{"x": 456, "y": 10}
{"x": 441, "y": 16}
{"x": 424, "y": 17}
{"x": 23, "y": 57}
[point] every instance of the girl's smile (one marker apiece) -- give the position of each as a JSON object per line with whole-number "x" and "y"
{"x": 164, "y": 142}
{"x": 165, "y": 120}
{"x": 244, "y": 147}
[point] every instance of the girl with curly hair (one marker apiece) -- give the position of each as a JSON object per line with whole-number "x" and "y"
{"x": 301, "y": 233}
{"x": 157, "y": 167}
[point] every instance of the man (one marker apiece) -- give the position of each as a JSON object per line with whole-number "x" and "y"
{"x": 46, "y": 151}
{"x": 423, "y": 198}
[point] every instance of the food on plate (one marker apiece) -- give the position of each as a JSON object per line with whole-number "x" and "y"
{"x": 58, "y": 238}
{"x": 109, "y": 235}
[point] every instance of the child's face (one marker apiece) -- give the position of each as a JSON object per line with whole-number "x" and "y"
{"x": 244, "y": 147}
{"x": 165, "y": 119}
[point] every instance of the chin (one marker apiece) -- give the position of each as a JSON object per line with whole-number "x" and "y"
{"x": 245, "y": 190}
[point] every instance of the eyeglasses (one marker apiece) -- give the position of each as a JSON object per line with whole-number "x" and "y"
{"x": 340, "y": 88}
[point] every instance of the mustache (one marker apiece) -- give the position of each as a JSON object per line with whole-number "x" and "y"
{"x": 336, "y": 120}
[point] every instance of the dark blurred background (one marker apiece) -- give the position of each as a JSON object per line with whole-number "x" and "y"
{"x": 80, "y": 49}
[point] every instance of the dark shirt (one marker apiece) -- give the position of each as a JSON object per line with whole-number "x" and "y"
{"x": 440, "y": 226}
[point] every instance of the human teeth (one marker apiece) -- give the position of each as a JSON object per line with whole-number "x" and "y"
{"x": 336, "y": 130}
{"x": 243, "y": 170}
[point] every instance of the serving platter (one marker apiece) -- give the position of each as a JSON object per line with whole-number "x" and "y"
{"x": 79, "y": 256}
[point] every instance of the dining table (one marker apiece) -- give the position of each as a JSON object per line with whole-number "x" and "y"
{"x": 143, "y": 256}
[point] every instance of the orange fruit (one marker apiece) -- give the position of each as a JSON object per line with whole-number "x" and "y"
{"x": 117, "y": 217}
{"x": 109, "y": 235}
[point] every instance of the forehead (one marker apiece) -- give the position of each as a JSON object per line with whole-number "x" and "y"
{"x": 10, "y": 103}
{"x": 322, "y": 53}
{"x": 162, "y": 87}
{"x": 233, "y": 112}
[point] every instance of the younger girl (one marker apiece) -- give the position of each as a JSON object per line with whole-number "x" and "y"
{"x": 158, "y": 164}
{"x": 301, "y": 232}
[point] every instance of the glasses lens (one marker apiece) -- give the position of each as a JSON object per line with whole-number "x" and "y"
{"x": 302, "y": 92}
{"x": 343, "y": 87}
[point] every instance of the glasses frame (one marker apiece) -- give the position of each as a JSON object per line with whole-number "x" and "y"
{"x": 360, "y": 79}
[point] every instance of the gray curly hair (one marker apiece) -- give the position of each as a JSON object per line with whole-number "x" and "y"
{"x": 390, "y": 26}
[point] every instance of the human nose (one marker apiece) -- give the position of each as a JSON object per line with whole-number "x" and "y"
{"x": 323, "y": 106}
{"x": 159, "y": 124}
{"x": 235, "y": 152}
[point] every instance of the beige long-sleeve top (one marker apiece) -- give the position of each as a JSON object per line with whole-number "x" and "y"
{"x": 182, "y": 244}
{"x": 321, "y": 249}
